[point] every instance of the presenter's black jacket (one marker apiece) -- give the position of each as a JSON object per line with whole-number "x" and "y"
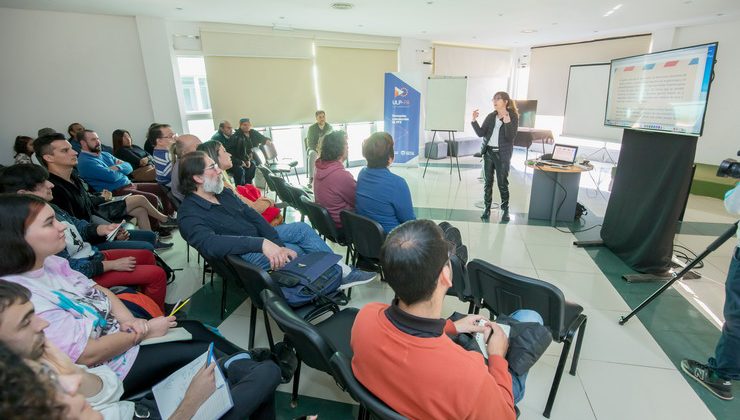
{"x": 506, "y": 133}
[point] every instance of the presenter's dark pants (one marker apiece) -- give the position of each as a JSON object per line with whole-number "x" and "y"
{"x": 726, "y": 360}
{"x": 494, "y": 166}
{"x": 155, "y": 362}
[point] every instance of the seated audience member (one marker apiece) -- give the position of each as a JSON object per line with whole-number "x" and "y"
{"x": 142, "y": 162}
{"x": 163, "y": 138}
{"x": 224, "y": 133}
{"x": 183, "y": 145}
{"x": 23, "y": 148}
{"x": 88, "y": 322}
{"x": 214, "y": 221}
{"x": 23, "y": 332}
{"x": 334, "y": 187}
{"x": 116, "y": 266}
{"x": 240, "y": 146}
{"x": 316, "y": 133}
{"x": 72, "y": 130}
{"x": 29, "y": 392}
{"x": 382, "y": 195}
{"x": 436, "y": 378}
{"x": 249, "y": 194}
{"x": 71, "y": 195}
{"x": 102, "y": 171}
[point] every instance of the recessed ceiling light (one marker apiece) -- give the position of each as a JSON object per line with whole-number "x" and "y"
{"x": 178, "y": 8}
{"x": 500, "y": 14}
{"x": 720, "y": 14}
{"x": 529, "y": 31}
{"x": 430, "y": 2}
{"x": 360, "y": 25}
{"x": 342, "y": 6}
{"x": 282, "y": 17}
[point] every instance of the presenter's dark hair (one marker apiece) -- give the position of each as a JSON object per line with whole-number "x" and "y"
{"x": 118, "y": 139}
{"x": 510, "y": 104}
{"x": 21, "y": 144}
{"x": 378, "y": 149}
{"x": 412, "y": 257}
{"x": 211, "y": 149}
{"x": 19, "y": 211}
{"x": 192, "y": 164}
{"x": 22, "y": 176}
{"x": 42, "y": 146}
{"x": 332, "y": 146}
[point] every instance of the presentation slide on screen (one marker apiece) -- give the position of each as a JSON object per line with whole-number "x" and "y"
{"x": 662, "y": 91}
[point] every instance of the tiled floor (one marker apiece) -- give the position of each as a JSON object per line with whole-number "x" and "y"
{"x": 626, "y": 372}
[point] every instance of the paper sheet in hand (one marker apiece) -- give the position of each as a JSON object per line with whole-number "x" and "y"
{"x": 113, "y": 233}
{"x": 170, "y": 392}
{"x": 115, "y": 199}
{"x": 174, "y": 334}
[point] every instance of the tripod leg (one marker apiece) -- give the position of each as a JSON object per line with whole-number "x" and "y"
{"x": 711, "y": 248}
{"x": 429, "y": 155}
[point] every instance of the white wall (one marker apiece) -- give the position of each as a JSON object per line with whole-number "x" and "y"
{"x": 59, "y": 68}
{"x": 720, "y": 140}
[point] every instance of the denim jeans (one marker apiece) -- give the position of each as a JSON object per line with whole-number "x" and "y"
{"x": 726, "y": 360}
{"x": 138, "y": 239}
{"x": 522, "y": 315}
{"x": 297, "y": 236}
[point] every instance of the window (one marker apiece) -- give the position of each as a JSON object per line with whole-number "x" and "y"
{"x": 356, "y": 134}
{"x": 196, "y": 103}
{"x": 289, "y": 143}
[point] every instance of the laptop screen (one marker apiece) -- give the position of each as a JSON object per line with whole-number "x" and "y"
{"x": 564, "y": 153}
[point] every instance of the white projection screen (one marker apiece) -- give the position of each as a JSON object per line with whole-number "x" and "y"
{"x": 585, "y": 104}
{"x": 446, "y": 103}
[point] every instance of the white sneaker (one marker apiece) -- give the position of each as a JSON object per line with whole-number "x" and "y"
{"x": 357, "y": 277}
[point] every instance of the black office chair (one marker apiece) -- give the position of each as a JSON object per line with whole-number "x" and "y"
{"x": 254, "y": 280}
{"x": 296, "y": 194}
{"x": 370, "y": 405}
{"x": 461, "y": 285}
{"x": 227, "y": 273}
{"x": 503, "y": 292}
{"x": 279, "y": 166}
{"x": 266, "y": 172}
{"x": 287, "y": 194}
{"x": 321, "y": 221}
{"x": 314, "y": 344}
{"x": 366, "y": 236}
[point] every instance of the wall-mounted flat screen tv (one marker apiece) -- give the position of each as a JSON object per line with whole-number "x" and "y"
{"x": 665, "y": 91}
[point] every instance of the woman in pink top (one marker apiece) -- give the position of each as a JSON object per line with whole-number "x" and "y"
{"x": 334, "y": 186}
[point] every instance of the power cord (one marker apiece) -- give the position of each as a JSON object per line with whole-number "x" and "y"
{"x": 565, "y": 196}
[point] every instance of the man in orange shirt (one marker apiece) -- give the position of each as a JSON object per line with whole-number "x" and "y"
{"x": 402, "y": 353}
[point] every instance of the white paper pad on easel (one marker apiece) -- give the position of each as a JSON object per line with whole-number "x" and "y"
{"x": 170, "y": 392}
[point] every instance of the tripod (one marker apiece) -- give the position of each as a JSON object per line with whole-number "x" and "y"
{"x": 711, "y": 248}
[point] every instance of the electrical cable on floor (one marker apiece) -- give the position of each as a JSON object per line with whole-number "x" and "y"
{"x": 685, "y": 257}
{"x": 565, "y": 196}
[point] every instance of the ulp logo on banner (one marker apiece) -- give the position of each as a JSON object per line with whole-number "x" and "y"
{"x": 402, "y": 108}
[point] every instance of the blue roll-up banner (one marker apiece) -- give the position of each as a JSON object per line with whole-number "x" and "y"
{"x": 402, "y": 109}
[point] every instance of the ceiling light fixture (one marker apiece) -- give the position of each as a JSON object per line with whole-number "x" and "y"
{"x": 613, "y": 9}
{"x": 342, "y": 6}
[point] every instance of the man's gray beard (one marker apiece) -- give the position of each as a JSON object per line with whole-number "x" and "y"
{"x": 214, "y": 187}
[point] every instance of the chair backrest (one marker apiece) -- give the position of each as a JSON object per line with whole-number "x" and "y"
{"x": 281, "y": 189}
{"x": 270, "y": 151}
{"x": 321, "y": 220}
{"x": 365, "y": 234}
{"x": 253, "y": 279}
{"x": 296, "y": 194}
{"x": 309, "y": 343}
{"x": 341, "y": 370}
{"x": 504, "y": 292}
{"x": 266, "y": 172}
{"x": 460, "y": 283}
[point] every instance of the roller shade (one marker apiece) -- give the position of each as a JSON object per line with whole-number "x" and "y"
{"x": 270, "y": 91}
{"x": 550, "y": 66}
{"x": 350, "y": 82}
{"x": 472, "y": 62}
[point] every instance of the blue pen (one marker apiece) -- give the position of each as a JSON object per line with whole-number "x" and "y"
{"x": 210, "y": 355}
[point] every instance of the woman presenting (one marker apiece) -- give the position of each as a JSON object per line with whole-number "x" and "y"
{"x": 499, "y": 129}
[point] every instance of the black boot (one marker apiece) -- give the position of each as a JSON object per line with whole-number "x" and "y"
{"x": 486, "y": 214}
{"x": 505, "y": 216}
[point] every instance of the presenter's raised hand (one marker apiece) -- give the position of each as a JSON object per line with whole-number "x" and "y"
{"x": 475, "y": 114}
{"x": 505, "y": 116}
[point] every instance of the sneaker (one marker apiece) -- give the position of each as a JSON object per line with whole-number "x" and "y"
{"x": 162, "y": 245}
{"x": 169, "y": 223}
{"x": 708, "y": 377}
{"x": 357, "y": 277}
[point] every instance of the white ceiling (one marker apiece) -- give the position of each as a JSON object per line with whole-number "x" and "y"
{"x": 475, "y": 22}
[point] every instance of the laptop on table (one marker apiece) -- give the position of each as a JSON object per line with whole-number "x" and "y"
{"x": 562, "y": 155}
